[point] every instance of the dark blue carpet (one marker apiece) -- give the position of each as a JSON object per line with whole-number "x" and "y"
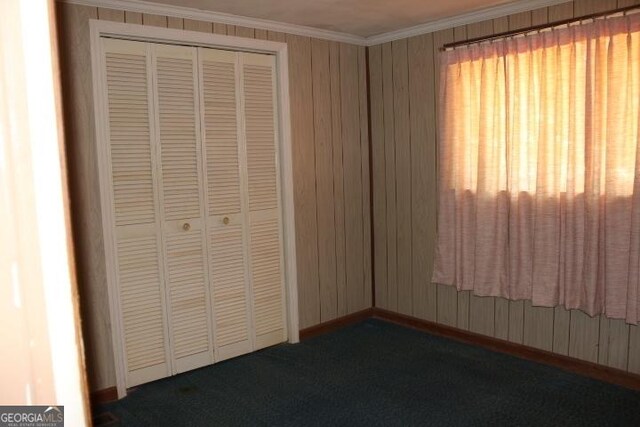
{"x": 376, "y": 373}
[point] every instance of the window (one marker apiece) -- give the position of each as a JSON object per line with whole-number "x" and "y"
{"x": 539, "y": 170}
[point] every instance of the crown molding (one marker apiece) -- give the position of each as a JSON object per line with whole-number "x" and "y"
{"x": 463, "y": 19}
{"x": 301, "y": 30}
{"x": 142, "y": 6}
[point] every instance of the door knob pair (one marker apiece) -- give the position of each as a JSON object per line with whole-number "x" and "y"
{"x": 186, "y": 226}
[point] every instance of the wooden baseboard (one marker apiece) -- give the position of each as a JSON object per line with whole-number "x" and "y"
{"x": 581, "y": 367}
{"x": 334, "y": 324}
{"x": 103, "y": 396}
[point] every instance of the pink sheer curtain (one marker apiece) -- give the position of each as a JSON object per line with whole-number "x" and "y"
{"x": 539, "y": 168}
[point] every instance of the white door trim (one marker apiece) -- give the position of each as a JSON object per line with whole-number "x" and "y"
{"x": 100, "y": 29}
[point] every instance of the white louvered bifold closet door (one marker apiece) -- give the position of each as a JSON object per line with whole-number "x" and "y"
{"x": 190, "y": 185}
{"x": 259, "y": 105}
{"x": 182, "y": 205}
{"x": 227, "y": 238}
{"x": 130, "y": 162}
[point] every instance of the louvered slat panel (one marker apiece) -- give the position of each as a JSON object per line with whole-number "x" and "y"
{"x": 229, "y": 285}
{"x": 176, "y": 95}
{"x": 225, "y": 219}
{"x": 130, "y": 146}
{"x": 265, "y": 254}
{"x": 187, "y": 293}
{"x": 266, "y": 276}
{"x": 260, "y": 136}
{"x": 141, "y": 302}
{"x": 138, "y": 255}
{"x": 218, "y": 77}
{"x": 186, "y": 269}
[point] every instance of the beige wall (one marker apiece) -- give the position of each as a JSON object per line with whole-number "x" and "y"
{"x": 331, "y": 172}
{"x": 403, "y": 88}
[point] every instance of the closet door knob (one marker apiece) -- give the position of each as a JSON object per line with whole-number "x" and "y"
{"x": 186, "y": 226}
{"x": 225, "y": 220}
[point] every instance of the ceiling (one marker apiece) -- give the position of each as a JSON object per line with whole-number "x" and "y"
{"x": 363, "y": 18}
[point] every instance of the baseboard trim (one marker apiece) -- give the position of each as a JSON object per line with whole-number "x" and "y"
{"x": 335, "y": 324}
{"x": 103, "y": 396}
{"x": 581, "y": 367}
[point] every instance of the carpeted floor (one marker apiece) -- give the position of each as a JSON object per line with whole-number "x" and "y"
{"x": 376, "y": 373}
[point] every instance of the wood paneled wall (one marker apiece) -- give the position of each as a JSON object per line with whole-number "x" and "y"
{"x": 403, "y": 88}
{"x": 330, "y": 129}
{"x": 328, "y": 89}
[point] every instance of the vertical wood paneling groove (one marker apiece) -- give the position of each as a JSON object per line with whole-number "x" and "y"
{"x": 538, "y": 326}
{"x": 583, "y": 336}
{"x": 390, "y": 175}
{"x": 613, "y": 343}
{"x": 352, "y": 175}
{"x": 402, "y": 130}
{"x": 219, "y": 28}
{"x": 540, "y": 16}
{"x": 324, "y": 179}
{"x": 560, "y": 12}
{"x": 177, "y": 23}
{"x": 366, "y": 178}
{"x": 132, "y": 17}
{"x": 423, "y": 177}
{"x": 105, "y": 14}
{"x": 378, "y": 181}
{"x": 428, "y": 187}
{"x": 154, "y": 20}
{"x": 245, "y": 32}
{"x": 276, "y": 36}
{"x": 338, "y": 178}
{"x": 193, "y": 25}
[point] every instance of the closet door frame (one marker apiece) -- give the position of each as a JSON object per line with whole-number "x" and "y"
{"x": 99, "y": 29}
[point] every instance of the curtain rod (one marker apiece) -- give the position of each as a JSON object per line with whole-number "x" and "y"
{"x": 538, "y": 27}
